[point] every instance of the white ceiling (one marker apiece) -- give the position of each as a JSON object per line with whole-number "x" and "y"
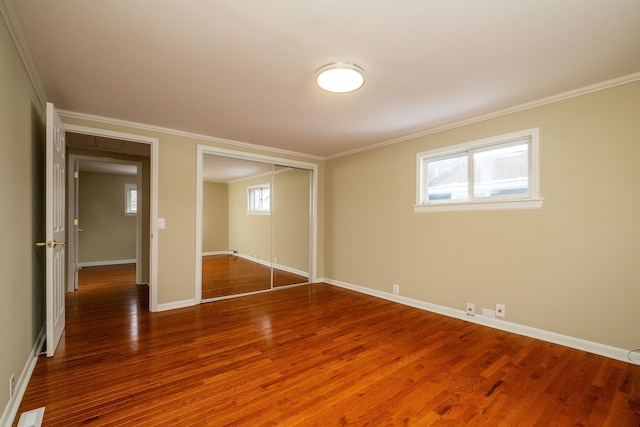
{"x": 227, "y": 169}
{"x": 244, "y": 70}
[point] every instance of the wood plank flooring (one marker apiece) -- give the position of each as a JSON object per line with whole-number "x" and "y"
{"x": 313, "y": 355}
{"x": 224, "y": 275}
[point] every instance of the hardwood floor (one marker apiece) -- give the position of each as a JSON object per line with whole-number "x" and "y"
{"x": 312, "y": 355}
{"x": 224, "y": 275}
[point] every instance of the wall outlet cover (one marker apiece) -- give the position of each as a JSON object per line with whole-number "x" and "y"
{"x": 471, "y": 309}
{"x": 489, "y": 313}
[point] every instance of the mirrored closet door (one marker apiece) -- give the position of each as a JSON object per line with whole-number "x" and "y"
{"x": 255, "y": 226}
{"x": 290, "y": 226}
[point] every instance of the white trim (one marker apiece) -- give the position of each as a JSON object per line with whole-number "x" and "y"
{"x": 8, "y": 12}
{"x": 106, "y": 262}
{"x": 532, "y": 199}
{"x": 128, "y": 189}
{"x": 11, "y": 410}
{"x": 528, "y": 331}
{"x": 291, "y": 270}
{"x": 260, "y": 261}
{"x": 313, "y": 203}
{"x": 177, "y": 304}
{"x": 13, "y": 25}
{"x": 607, "y": 84}
{"x": 511, "y": 204}
{"x": 260, "y": 187}
{"x": 153, "y": 191}
{"x": 152, "y": 128}
{"x": 246, "y": 294}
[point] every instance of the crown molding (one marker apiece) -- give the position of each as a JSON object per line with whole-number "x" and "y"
{"x": 630, "y": 78}
{"x": 8, "y": 13}
{"x": 13, "y": 25}
{"x": 206, "y": 138}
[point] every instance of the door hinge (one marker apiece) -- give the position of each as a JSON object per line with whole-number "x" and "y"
{"x": 76, "y": 174}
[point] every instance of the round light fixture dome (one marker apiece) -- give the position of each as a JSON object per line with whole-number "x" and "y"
{"x": 340, "y": 77}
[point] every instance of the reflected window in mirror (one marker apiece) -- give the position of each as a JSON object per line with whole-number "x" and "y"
{"x": 259, "y": 199}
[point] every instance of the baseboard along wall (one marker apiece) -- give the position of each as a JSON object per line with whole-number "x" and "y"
{"x": 623, "y": 355}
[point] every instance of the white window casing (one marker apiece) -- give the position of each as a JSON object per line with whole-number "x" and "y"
{"x": 496, "y": 173}
{"x": 130, "y": 199}
{"x": 259, "y": 199}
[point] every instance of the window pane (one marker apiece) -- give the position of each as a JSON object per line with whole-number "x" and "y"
{"x": 254, "y": 196}
{"x": 130, "y": 199}
{"x": 133, "y": 200}
{"x": 501, "y": 172}
{"x": 259, "y": 199}
{"x": 266, "y": 199}
{"x": 447, "y": 179}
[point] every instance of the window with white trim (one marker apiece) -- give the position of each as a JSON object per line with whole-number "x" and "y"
{"x": 130, "y": 199}
{"x": 493, "y": 173}
{"x": 259, "y": 199}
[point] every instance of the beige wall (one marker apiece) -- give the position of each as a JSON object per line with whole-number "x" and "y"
{"x": 107, "y": 233}
{"x": 21, "y": 215}
{"x": 143, "y": 200}
{"x": 215, "y": 217}
{"x": 291, "y": 219}
{"x": 285, "y": 231}
{"x": 248, "y": 234}
{"x": 571, "y": 267}
{"x": 177, "y": 165}
{"x": 227, "y": 225}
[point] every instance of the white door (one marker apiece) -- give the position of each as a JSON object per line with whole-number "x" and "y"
{"x": 55, "y": 229}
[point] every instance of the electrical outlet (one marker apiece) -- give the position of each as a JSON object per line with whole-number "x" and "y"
{"x": 501, "y": 310}
{"x": 489, "y": 313}
{"x": 12, "y": 386}
{"x": 396, "y": 289}
{"x": 471, "y": 309}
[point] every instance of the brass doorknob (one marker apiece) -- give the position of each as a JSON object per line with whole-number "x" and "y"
{"x": 50, "y": 244}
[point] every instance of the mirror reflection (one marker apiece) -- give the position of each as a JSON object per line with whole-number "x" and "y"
{"x": 255, "y": 226}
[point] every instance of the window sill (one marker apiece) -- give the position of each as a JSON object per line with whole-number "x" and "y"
{"x": 480, "y": 206}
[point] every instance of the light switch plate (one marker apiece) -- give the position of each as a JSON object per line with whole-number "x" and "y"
{"x": 160, "y": 223}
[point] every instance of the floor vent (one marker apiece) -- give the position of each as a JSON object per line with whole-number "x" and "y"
{"x": 31, "y": 418}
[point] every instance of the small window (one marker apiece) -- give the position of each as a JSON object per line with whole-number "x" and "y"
{"x": 492, "y": 173}
{"x": 259, "y": 199}
{"x": 130, "y": 199}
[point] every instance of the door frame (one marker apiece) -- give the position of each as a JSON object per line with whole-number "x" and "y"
{"x": 153, "y": 196}
{"x": 73, "y": 198}
{"x": 203, "y": 150}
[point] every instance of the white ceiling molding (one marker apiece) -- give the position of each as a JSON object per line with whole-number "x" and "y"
{"x": 555, "y": 98}
{"x": 13, "y": 24}
{"x": 460, "y": 63}
{"x": 152, "y": 128}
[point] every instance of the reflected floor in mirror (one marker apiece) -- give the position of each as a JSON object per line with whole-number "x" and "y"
{"x": 224, "y": 275}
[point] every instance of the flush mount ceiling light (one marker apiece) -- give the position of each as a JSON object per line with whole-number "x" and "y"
{"x": 340, "y": 77}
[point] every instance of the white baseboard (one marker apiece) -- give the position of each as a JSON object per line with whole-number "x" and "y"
{"x": 278, "y": 266}
{"x": 565, "y": 340}
{"x": 108, "y": 262}
{"x": 177, "y": 304}
{"x": 11, "y": 410}
{"x": 254, "y": 259}
{"x": 291, "y": 270}
{"x": 216, "y": 253}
